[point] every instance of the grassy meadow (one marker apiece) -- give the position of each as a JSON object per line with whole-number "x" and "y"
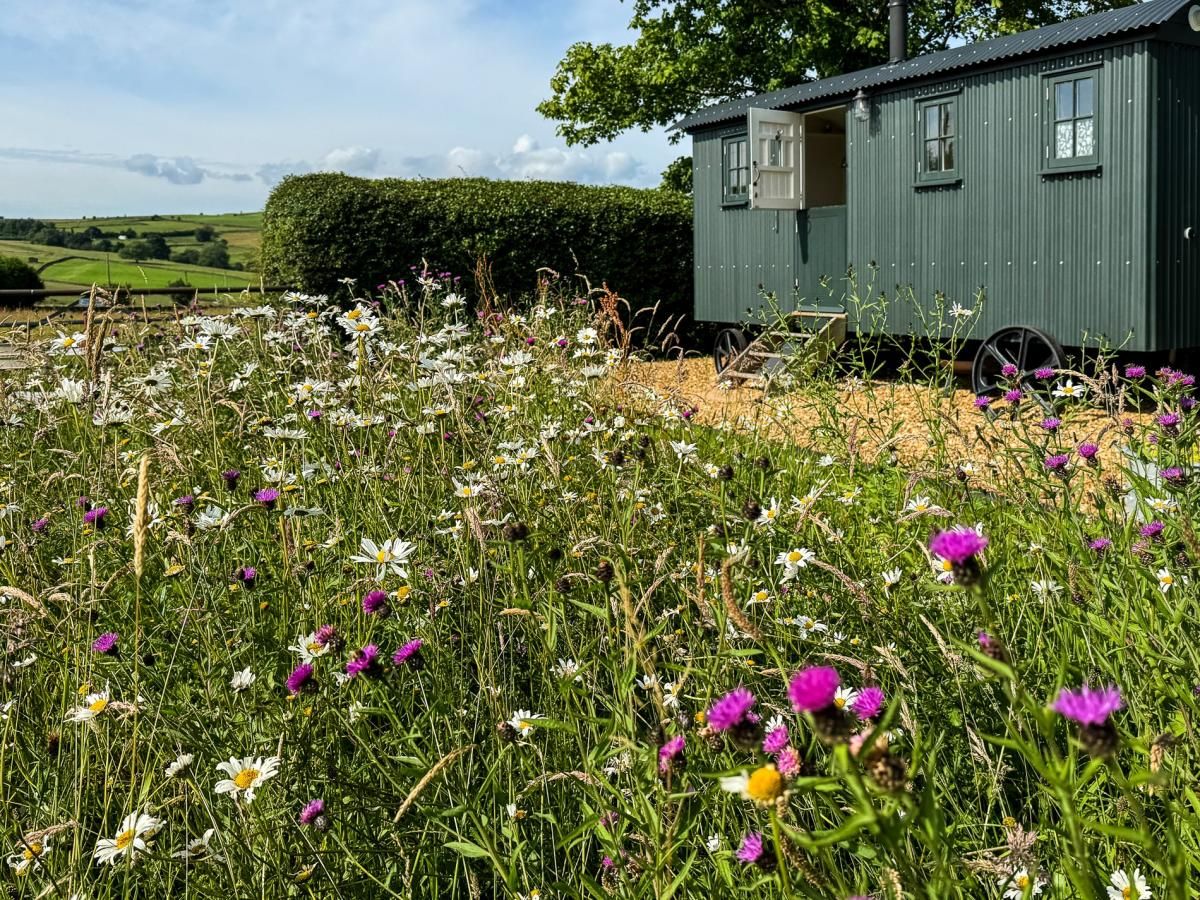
{"x": 407, "y": 599}
{"x": 62, "y": 267}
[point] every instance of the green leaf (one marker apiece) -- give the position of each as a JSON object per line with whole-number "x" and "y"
{"x": 466, "y": 848}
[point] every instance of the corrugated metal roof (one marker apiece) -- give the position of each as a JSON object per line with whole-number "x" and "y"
{"x": 1085, "y": 29}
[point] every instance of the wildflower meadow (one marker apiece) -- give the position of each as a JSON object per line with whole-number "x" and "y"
{"x": 406, "y": 594}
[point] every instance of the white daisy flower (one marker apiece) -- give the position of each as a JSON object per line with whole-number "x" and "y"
{"x": 388, "y": 556}
{"x": 1128, "y": 887}
{"x": 246, "y": 775}
{"x": 242, "y": 680}
{"x": 1017, "y": 883}
{"x": 132, "y": 838}
{"x": 523, "y": 720}
{"x": 181, "y": 762}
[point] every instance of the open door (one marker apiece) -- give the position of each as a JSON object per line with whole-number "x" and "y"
{"x": 776, "y": 159}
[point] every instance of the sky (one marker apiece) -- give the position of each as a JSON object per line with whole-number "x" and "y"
{"x": 130, "y": 107}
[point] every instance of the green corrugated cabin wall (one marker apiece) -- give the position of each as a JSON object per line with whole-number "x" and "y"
{"x": 1067, "y": 253}
{"x": 1176, "y": 190}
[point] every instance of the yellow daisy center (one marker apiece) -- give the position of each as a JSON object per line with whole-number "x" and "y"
{"x": 68, "y": 342}
{"x": 1127, "y": 893}
{"x": 794, "y": 556}
{"x": 97, "y": 706}
{"x": 32, "y": 851}
{"x": 245, "y": 778}
{"x": 765, "y": 784}
{"x": 125, "y": 838}
{"x": 314, "y": 647}
{"x": 1167, "y": 579}
{"x": 839, "y": 702}
{"x": 947, "y": 566}
{"x": 382, "y": 556}
{"x": 362, "y": 326}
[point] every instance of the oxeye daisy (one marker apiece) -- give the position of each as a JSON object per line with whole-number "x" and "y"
{"x": 1123, "y": 886}
{"x": 389, "y": 556}
{"x": 132, "y": 839}
{"x": 246, "y": 775}
{"x": 845, "y": 697}
{"x": 1016, "y": 885}
{"x": 93, "y": 705}
{"x": 763, "y": 786}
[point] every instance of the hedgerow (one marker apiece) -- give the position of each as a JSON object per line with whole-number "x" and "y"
{"x": 320, "y": 228}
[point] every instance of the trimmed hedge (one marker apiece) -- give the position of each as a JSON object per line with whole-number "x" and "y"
{"x": 319, "y": 228}
{"x": 17, "y": 274}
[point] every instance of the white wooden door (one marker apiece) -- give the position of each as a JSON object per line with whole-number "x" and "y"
{"x": 776, "y": 159}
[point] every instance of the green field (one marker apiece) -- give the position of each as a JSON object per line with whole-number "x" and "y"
{"x": 242, "y": 231}
{"x": 60, "y": 267}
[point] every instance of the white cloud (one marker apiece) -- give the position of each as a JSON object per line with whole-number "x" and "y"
{"x": 399, "y": 87}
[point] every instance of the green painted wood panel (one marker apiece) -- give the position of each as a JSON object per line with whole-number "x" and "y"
{"x": 1068, "y": 253}
{"x": 1176, "y": 191}
{"x": 1071, "y": 253}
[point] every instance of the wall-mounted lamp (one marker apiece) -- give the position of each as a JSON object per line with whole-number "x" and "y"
{"x": 862, "y": 106}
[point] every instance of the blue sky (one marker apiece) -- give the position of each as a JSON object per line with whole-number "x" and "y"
{"x": 116, "y": 107}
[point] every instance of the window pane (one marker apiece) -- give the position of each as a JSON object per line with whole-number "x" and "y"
{"x": 1064, "y": 100}
{"x": 931, "y": 122}
{"x": 1085, "y": 140}
{"x": 933, "y": 156}
{"x": 948, "y": 155}
{"x": 774, "y": 154}
{"x": 1085, "y": 89}
{"x": 1064, "y": 140}
{"x": 947, "y": 119}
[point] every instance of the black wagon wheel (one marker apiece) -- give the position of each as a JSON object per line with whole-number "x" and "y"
{"x": 728, "y": 346}
{"x": 1025, "y": 347}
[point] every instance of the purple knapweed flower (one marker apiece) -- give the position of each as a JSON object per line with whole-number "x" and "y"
{"x": 1045, "y": 373}
{"x": 1168, "y": 421}
{"x": 751, "y": 849}
{"x": 957, "y": 545}
{"x": 268, "y": 497}
{"x": 1100, "y": 544}
{"x": 1088, "y": 451}
{"x": 776, "y": 740}
{"x": 186, "y": 502}
{"x": 326, "y": 635}
{"x": 409, "y": 655}
{"x": 731, "y": 710}
{"x": 1152, "y": 530}
{"x": 1014, "y": 396}
{"x": 1050, "y": 423}
{"x": 669, "y": 752}
{"x": 230, "y": 477}
{"x": 375, "y": 602}
{"x": 813, "y": 689}
{"x": 983, "y": 401}
{"x": 247, "y": 575}
{"x": 869, "y": 703}
{"x": 314, "y": 814}
{"x": 96, "y": 516}
{"x": 1088, "y": 706}
{"x": 106, "y": 643}
{"x": 301, "y": 679}
{"x": 1057, "y": 462}
{"x": 1008, "y": 370}
{"x": 1135, "y": 371}
{"x": 364, "y": 662}
{"x": 1173, "y": 475}
{"x": 787, "y": 763}
{"x": 40, "y": 525}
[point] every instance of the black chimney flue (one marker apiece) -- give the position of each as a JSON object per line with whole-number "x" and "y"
{"x": 897, "y": 31}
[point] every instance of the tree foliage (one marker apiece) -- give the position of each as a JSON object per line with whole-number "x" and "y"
{"x": 690, "y": 53}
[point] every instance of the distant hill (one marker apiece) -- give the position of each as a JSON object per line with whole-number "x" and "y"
{"x": 204, "y": 251}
